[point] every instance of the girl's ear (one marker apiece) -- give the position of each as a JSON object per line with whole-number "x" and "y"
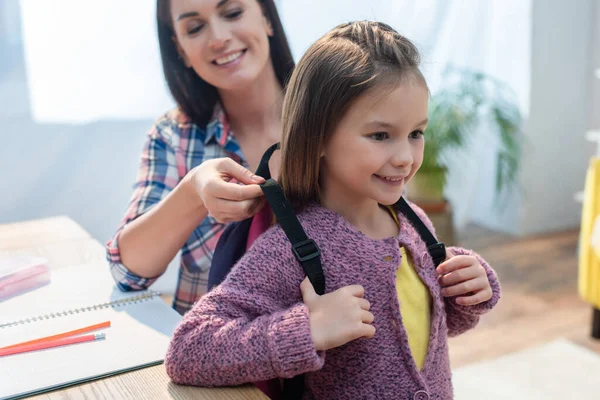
{"x": 181, "y": 53}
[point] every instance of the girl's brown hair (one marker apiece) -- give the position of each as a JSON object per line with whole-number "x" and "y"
{"x": 344, "y": 64}
{"x": 194, "y": 96}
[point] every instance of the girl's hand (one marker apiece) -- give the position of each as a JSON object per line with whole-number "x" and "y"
{"x": 227, "y": 201}
{"x": 338, "y": 317}
{"x": 465, "y": 277}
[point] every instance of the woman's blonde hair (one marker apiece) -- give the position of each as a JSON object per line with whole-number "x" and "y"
{"x": 350, "y": 60}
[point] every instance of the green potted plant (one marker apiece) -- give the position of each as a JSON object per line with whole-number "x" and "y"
{"x": 467, "y": 99}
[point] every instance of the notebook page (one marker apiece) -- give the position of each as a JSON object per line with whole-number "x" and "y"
{"x": 139, "y": 335}
{"x": 70, "y": 288}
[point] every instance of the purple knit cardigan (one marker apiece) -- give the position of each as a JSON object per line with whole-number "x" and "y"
{"x": 254, "y": 326}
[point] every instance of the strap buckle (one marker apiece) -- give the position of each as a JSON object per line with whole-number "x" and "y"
{"x": 306, "y": 250}
{"x": 437, "y": 252}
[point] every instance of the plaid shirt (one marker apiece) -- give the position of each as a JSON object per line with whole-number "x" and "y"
{"x": 174, "y": 146}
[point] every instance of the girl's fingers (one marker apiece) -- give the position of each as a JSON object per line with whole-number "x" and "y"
{"x": 458, "y": 276}
{"x": 364, "y": 304}
{"x": 473, "y": 285}
{"x": 355, "y": 290}
{"x": 367, "y": 317}
{"x": 309, "y": 296}
{"x": 456, "y": 262}
{"x": 366, "y": 331}
{"x": 475, "y": 299}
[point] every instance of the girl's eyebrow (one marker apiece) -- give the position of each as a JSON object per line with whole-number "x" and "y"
{"x": 380, "y": 123}
{"x": 195, "y": 14}
{"x": 388, "y": 125}
{"x": 425, "y": 121}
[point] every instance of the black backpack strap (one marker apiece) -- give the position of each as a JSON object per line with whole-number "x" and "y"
{"x": 232, "y": 243}
{"x": 293, "y": 388}
{"x": 437, "y": 250}
{"x": 306, "y": 250}
{"x": 263, "y": 167}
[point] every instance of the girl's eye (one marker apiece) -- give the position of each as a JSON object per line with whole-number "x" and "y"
{"x": 416, "y": 134}
{"x": 379, "y": 136}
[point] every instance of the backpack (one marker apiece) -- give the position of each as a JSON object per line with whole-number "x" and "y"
{"x": 233, "y": 243}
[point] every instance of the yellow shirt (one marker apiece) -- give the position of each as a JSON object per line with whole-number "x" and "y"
{"x": 415, "y": 306}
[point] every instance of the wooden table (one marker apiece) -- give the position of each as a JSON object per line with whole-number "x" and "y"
{"x": 63, "y": 242}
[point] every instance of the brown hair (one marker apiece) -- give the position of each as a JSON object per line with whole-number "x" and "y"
{"x": 194, "y": 96}
{"x": 344, "y": 64}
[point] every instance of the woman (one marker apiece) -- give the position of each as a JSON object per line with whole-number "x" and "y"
{"x": 226, "y": 63}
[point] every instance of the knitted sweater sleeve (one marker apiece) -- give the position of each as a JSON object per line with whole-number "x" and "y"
{"x": 461, "y": 318}
{"x": 252, "y": 327}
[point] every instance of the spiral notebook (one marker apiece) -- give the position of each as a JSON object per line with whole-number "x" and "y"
{"x": 141, "y": 327}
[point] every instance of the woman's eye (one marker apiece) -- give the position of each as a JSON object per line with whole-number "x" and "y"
{"x": 379, "y": 136}
{"x": 416, "y": 134}
{"x": 194, "y": 29}
{"x": 233, "y": 14}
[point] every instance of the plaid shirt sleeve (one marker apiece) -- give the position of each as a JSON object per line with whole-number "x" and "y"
{"x": 157, "y": 176}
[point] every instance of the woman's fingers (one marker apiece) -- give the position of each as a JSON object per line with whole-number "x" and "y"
{"x": 229, "y": 191}
{"x": 220, "y": 189}
{"x": 228, "y": 167}
{"x": 226, "y": 211}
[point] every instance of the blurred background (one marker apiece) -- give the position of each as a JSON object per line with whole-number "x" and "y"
{"x": 81, "y": 84}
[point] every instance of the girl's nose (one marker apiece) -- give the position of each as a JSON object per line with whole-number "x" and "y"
{"x": 402, "y": 156}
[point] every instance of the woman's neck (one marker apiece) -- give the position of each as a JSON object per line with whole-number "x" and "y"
{"x": 255, "y": 109}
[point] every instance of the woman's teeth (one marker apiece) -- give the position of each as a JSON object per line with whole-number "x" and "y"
{"x": 229, "y": 58}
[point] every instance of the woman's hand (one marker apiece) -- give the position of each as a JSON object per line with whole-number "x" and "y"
{"x": 338, "y": 317}
{"x": 225, "y": 200}
{"x": 465, "y": 277}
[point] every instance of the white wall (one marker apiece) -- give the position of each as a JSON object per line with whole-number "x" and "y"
{"x": 557, "y": 154}
{"x": 506, "y": 55}
{"x": 9, "y": 26}
{"x": 595, "y": 86}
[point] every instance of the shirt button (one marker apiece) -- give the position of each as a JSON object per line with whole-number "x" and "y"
{"x": 421, "y": 395}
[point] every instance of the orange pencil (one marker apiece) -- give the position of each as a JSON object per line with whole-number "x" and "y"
{"x": 86, "y": 329}
{"x": 51, "y": 343}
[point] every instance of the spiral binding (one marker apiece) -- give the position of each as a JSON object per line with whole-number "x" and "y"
{"x": 116, "y": 303}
